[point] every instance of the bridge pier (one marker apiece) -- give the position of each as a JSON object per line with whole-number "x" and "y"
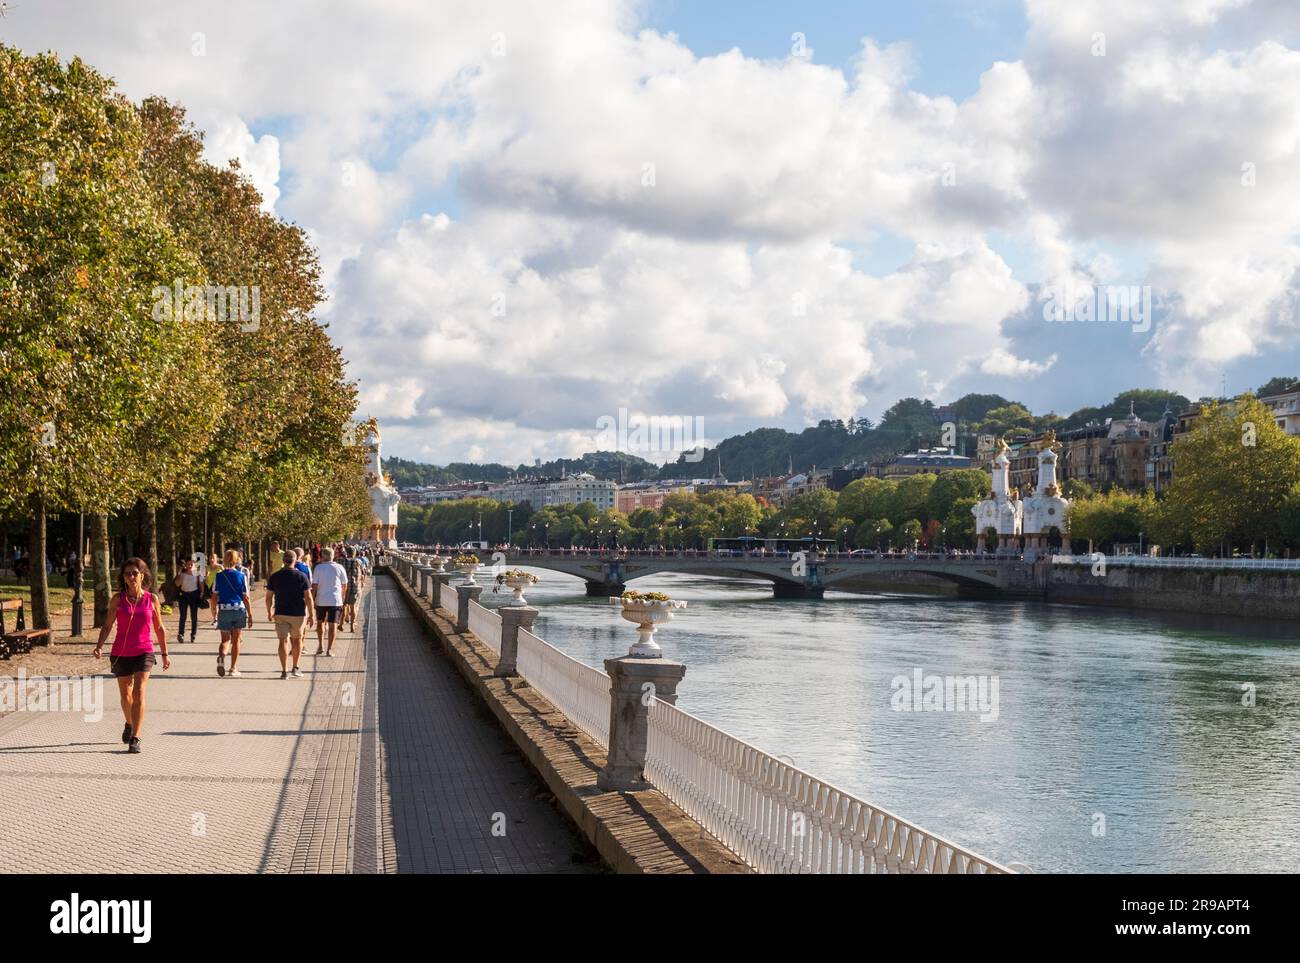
{"x": 612, "y": 581}
{"x": 796, "y": 590}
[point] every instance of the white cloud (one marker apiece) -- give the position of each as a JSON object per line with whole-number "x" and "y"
{"x": 228, "y": 138}
{"x": 648, "y": 219}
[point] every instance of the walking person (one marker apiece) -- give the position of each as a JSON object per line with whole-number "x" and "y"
{"x": 131, "y": 657}
{"x": 288, "y": 603}
{"x": 328, "y": 581}
{"x": 352, "y": 566}
{"x": 233, "y": 610}
{"x": 214, "y": 566}
{"x": 190, "y": 586}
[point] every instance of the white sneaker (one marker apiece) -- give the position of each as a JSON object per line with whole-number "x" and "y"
{"x": 234, "y": 672}
{"x": 296, "y": 673}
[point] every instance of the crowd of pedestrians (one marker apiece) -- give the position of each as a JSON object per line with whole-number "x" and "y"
{"x": 319, "y": 586}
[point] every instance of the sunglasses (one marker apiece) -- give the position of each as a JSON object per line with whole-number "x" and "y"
{"x": 134, "y": 573}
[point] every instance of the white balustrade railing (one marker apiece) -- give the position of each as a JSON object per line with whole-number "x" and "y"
{"x": 778, "y": 818}
{"x": 573, "y": 687}
{"x": 1155, "y": 561}
{"x": 774, "y": 816}
{"x": 486, "y": 624}
{"x": 447, "y": 598}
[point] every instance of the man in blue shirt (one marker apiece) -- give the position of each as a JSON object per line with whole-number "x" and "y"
{"x": 232, "y": 609}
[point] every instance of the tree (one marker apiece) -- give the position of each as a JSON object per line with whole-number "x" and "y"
{"x": 910, "y": 497}
{"x": 82, "y": 360}
{"x": 1075, "y": 488}
{"x": 953, "y": 485}
{"x": 908, "y": 534}
{"x": 1009, "y": 419}
{"x": 959, "y": 523}
{"x": 1115, "y": 517}
{"x": 1289, "y": 523}
{"x": 1276, "y": 386}
{"x": 874, "y": 534}
{"x": 1233, "y": 474}
{"x": 864, "y": 498}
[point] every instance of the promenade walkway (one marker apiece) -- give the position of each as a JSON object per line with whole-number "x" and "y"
{"x": 380, "y": 760}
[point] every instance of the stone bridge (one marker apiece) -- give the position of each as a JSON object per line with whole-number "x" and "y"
{"x": 607, "y": 573}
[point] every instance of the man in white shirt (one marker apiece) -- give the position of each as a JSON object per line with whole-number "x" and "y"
{"x": 328, "y": 581}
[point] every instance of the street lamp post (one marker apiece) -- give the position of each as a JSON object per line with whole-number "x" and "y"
{"x": 510, "y": 525}
{"x": 76, "y": 574}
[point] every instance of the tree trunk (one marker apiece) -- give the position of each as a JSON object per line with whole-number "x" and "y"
{"x": 40, "y": 615}
{"x": 101, "y": 566}
{"x": 149, "y": 536}
{"x": 168, "y": 548}
{"x": 187, "y": 533}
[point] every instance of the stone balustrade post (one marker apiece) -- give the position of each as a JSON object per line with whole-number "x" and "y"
{"x": 422, "y": 580}
{"x": 435, "y": 589}
{"x": 513, "y": 618}
{"x": 463, "y": 595}
{"x": 634, "y": 684}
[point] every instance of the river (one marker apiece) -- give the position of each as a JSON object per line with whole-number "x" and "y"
{"x": 1120, "y": 741}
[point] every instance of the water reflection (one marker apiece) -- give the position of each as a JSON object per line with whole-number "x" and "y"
{"x": 1103, "y": 714}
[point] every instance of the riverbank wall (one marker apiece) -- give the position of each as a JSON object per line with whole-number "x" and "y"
{"x": 1254, "y": 593}
{"x": 1251, "y": 593}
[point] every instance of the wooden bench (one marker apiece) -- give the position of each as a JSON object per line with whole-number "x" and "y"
{"x": 21, "y": 639}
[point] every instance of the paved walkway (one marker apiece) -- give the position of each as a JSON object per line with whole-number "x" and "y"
{"x": 379, "y": 760}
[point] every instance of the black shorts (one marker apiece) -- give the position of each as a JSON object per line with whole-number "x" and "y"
{"x": 328, "y": 613}
{"x": 127, "y": 665}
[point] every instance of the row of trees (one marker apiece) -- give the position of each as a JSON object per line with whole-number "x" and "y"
{"x": 117, "y": 396}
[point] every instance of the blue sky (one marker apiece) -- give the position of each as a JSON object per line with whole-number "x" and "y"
{"x": 952, "y": 42}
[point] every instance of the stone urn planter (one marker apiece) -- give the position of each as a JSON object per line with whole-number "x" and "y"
{"x": 467, "y": 565}
{"x": 648, "y": 611}
{"x": 518, "y": 581}
{"x": 438, "y": 562}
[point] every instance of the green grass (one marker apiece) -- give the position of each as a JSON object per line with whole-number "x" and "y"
{"x": 60, "y": 594}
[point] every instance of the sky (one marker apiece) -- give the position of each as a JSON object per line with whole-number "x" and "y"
{"x": 533, "y": 217}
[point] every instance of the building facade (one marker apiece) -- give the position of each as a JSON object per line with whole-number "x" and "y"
{"x": 1286, "y": 408}
{"x": 925, "y": 461}
{"x": 569, "y": 490}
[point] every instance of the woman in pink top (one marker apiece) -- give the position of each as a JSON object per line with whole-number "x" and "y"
{"x": 132, "y": 654}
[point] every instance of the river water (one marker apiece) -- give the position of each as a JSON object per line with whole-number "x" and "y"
{"x": 1119, "y": 740}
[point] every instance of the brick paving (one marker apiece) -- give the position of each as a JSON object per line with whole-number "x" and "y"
{"x": 379, "y": 760}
